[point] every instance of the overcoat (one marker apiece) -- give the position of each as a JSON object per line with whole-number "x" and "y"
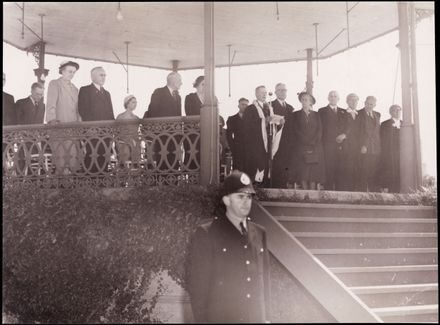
{"x": 332, "y": 126}
{"x": 281, "y": 166}
{"x": 390, "y": 156}
{"x": 27, "y": 113}
{"x": 229, "y": 273}
{"x": 9, "y": 114}
{"x": 163, "y": 104}
{"x": 348, "y": 161}
{"x": 256, "y": 156}
{"x": 235, "y": 136}
{"x": 62, "y": 101}
{"x": 62, "y": 105}
{"x": 192, "y": 104}
{"x": 369, "y": 162}
{"x": 95, "y": 105}
{"x": 307, "y": 132}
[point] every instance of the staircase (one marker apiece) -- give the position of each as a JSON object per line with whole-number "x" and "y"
{"x": 385, "y": 255}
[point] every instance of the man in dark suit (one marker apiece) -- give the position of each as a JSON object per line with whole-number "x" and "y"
{"x": 9, "y": 118}
{"x": 348, "y": 159}
{"x": 166, "y": 102}
{"x": 30, "y": 110}
{"x": 370, "y": 146}
{"x": 332, "y": 119}
{"x": 9, "y": 115}
{"x": 229, "y": 277}
{"x": 95, "y": 104}
{"x": 390, "y": 151}
{"x": 235, "y": 135}
{"x": 258, "y": 141}
{"x": 281, "y": 166}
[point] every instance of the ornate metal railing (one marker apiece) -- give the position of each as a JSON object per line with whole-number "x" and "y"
{"x": 151, "y": 151}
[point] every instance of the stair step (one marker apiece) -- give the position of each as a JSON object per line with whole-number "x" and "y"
{"x": 386, "y": 275}
{"x": 358, "y": 225}
{"x": 397, "y": 295}
{"x": 374, "y": 269}
{"x": 395, "y": 288}
{"x": 372, "y": 234}
{"x": 376, "y": 257}
{"x": 347, "y": 210}
{"x": 405, "y": 310}
{"x": 339, "y": 251}
{"x": 366, "y": 240}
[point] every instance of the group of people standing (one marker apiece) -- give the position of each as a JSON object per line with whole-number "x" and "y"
{"x": 332, "y": 148}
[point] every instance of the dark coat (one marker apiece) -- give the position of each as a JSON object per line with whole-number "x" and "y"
{"x": 369, "y": 162}
{"x": 94, "y": 105}
{"x": 220, "y": 278}
{"x": 256, "y": 156}
{"x": 280, "y": 110}
{"x": 307, "y": 134}
{"x": 163, "y": 104}
{"x": 282, "y": 161}
{"x": 192, "y": 104}
{"x": 348, "y": 161}
{"x": 333, "y": 124}
{"x": 27, "y": 113}
{"x": 390, "y": 156}
{"x": 236, "y": 140}
{"x": 370, "y": 131}
{"x": 9, "y": 114}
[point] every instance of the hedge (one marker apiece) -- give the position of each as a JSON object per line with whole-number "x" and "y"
{"x": 78, "y": 256}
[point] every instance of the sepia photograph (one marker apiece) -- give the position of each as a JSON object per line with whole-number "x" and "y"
{"x": 219, "y": 162}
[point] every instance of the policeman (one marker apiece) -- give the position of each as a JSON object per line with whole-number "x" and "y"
{"x": 229, "y": 262}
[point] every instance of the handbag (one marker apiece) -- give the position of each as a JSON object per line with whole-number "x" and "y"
{"x": 310, "y": 156}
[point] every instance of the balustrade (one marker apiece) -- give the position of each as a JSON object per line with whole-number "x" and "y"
{"x": 155, "y": 151}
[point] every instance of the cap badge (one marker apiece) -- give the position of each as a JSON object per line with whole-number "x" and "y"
{"x": 244, "y": 179}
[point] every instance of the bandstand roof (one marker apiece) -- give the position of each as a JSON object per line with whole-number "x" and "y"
{"x": 159, "y": 32}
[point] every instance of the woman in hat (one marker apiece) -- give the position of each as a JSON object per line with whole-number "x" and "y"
{"x": 128, "y": 146}
{"x": 62, "y": 107}
{"x": 308, "y": 156}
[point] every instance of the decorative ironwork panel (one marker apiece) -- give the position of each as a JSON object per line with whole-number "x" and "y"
{"x": 156, "y": 151}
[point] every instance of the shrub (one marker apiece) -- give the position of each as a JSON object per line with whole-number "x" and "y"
{"x": 78, "y": 256}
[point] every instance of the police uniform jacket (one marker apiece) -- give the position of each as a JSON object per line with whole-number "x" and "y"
{"x": 229, "y": 273}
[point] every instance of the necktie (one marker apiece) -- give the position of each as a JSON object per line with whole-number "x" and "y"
{"x": 243, "y": 229}
{"x": 266, "y": 110}
{"x": 175, "y": 94}
{"x": 36, "y": 104}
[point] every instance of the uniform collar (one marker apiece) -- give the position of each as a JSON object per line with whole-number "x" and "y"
{"x": 236, "y": 221}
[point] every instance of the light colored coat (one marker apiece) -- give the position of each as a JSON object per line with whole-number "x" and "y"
{"x": 62, "y": 101}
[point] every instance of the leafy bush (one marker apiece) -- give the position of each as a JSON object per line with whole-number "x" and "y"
{"x": 78, "y": 256}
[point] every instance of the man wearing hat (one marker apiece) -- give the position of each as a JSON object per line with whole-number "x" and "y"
{"x": 95, "y": 104}
{"x": 229, "y": 261}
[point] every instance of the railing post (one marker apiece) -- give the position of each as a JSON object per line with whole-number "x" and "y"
{"x": 209, "y": 133}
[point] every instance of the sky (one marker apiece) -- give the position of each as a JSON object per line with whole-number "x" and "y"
{"x": 369, "y": 69}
